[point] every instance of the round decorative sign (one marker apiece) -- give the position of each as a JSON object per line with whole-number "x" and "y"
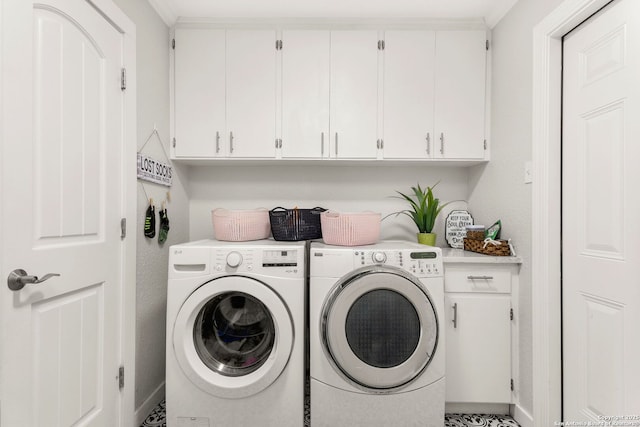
{"x": 455, "y": 227}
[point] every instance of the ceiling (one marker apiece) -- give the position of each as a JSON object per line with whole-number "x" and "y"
{"x": 490, "y": 11}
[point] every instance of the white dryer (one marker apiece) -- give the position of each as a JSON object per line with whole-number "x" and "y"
{"x": 235, "y": 334}
{"x": 376, "y": 335}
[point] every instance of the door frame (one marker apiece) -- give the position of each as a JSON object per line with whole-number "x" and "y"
{"x": 127, "y": 317}
{"x": 546, "y": 198}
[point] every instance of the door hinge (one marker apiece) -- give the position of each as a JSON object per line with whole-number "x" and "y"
{"x": 380, "y": 144}
{"x": 380, "y": 44}
{"x": 278, "y": 143}
{"x": 173, "y": 141}
{"x": 485, "y": 144}
{"x": 123, "y": 228}
{"x": 173, "y": 44}
{"x": 278, "y": 44}
{"x": 512, "y": 385}
{"x": 486, "y": 44}
{"x": 123, "y": 79}
{"x": 121, "y": 377}
{"x": 511, "y": 314}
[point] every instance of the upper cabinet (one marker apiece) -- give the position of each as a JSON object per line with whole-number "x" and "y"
{"x": 408, "y": 98}
{"x": 434, "y": 95}
{"x": 224, "y": 93}
{"x": 354, "y": 94}
{"x": 330, "y": 94}
{"x": 460, "y": 85}
{"x": 305, "y": 93}
{"x": 199, "y": 93}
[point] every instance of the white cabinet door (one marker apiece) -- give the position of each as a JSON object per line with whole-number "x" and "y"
{"x": 305, "y": 93}
{"x": 478, "y": 348}
{"x": 199, "y": 87}
{"x": 408, "y": 94}
{"x": 251, "y": 93}
{"x": 354, "y": 94}
{"x": 460, "y": 75}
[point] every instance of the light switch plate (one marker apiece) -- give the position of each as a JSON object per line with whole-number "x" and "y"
{"x": 528, "y": 172}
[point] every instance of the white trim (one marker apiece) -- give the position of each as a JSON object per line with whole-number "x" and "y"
{"x": 149, "y": 404}
{"x": 476, "y": 408}
{"x": 129, "y": 208}
{"x": 500, "y": 9}
{"x": 165, "y": 11}
{"x": 522, "y": 417}
{"x": 545, "y": 284}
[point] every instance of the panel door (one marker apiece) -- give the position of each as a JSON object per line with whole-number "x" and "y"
{"x": 305, "y": 93}
{"x": 251, "y": 93}
{"x": 62, "y": 201}
{"x": 600, "y": 254}
{"x": 199, "y": 93}
{"x": 460, "y": 94}
{"x": 408, "y": 94}
{"x": 478, "y": 337}
{"x": 354, "y": 94}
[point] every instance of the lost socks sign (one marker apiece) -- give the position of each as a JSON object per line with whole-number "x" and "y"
{"x": 154, "y": 171}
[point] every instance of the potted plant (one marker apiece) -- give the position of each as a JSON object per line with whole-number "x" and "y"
{"x": 424, "y": 209}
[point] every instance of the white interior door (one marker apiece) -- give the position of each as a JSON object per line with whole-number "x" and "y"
{"x": 62, "y": 199}
{"x": 601, "y": 255}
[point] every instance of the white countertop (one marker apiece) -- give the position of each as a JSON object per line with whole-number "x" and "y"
{"x": 450, "y": 256}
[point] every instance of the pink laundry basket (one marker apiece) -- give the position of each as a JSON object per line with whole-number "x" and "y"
{"x": 240, "y": 225}
{"x": 350, "y": 228}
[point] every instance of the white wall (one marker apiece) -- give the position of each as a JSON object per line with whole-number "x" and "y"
{"x": 497, "y": 190}
{"x": 152, "y": 259}
{"x": 342, "y": 188}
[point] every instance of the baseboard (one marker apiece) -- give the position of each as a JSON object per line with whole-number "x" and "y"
{"x": 477, "y": 408}
{"x": 143, "y": 411}
{"x": 522, "y": 417}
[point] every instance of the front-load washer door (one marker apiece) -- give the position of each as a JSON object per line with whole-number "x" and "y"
{"x": 379, "y": 328}
{"x": 233, "y": 336}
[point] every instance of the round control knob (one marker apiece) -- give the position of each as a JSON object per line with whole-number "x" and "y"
{"x": 234, "y": 259}
{"x": 379, "y": 257}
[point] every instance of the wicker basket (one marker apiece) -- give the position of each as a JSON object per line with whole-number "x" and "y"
{"x": 295, "y": 224}
{"x": 350, "y": 228}
{"x": 496, "y": 250}
{"x": 240, "y": 225}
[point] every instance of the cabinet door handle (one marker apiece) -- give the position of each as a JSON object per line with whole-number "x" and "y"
{"x": 441, "y": 142}
{"x": 217, "y": 142}
{"x": 231, "y": 142}
{"x": 321, "y": 144}
{"x": 480, "y": 277}
{"x": 336, "y": 144}
{"x": 428, "y": 143}
{"x": 455, "y": 315}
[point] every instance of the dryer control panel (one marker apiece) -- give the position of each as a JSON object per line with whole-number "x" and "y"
{"x": 418, "y": 262}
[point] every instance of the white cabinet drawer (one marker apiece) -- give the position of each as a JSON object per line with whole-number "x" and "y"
{"x": 477, "y": 278}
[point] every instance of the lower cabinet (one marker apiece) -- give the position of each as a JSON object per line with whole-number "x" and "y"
{"x": 478, "y": 332}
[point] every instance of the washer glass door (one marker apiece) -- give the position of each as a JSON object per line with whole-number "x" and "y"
{"x": 233, "y": 336}
{"x": 380, "y": 328}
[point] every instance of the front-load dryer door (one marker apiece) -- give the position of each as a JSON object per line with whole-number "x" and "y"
{"x": 233, "y": 336}
{"x": 379, "y": 328}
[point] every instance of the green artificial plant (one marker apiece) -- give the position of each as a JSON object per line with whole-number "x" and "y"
{"x": 425, "y": 207}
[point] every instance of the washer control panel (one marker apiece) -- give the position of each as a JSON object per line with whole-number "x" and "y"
{"x": 418, "y": 262}
{"x": 243, "y": 260}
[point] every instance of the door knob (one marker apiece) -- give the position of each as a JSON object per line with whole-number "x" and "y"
{"x": 18, "y": 278}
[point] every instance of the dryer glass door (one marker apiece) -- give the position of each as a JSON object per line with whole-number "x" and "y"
{"x": 380, "y": 328}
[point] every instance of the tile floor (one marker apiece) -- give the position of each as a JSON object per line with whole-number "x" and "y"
{"x": 157, "y": 419}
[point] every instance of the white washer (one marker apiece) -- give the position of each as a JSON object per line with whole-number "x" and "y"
{"x": 376, "y": 338}
{"x": 235, "y": 334}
